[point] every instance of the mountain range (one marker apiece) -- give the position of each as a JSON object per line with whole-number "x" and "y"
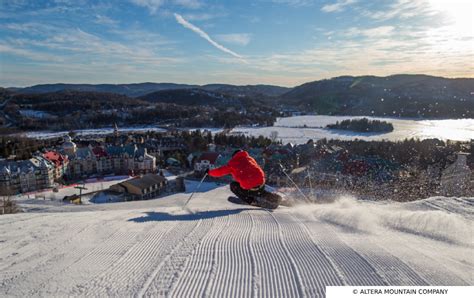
{"x": 140, "y": 89}
{"x": 397, "y": 95}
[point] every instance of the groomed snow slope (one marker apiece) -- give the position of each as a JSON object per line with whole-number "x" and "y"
{"x": 154, "y": 248}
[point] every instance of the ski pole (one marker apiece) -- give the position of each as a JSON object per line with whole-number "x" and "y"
{"x": 301, "y": 192}
{"x": 310, "y": 184}
{"x": 196, "y": 189}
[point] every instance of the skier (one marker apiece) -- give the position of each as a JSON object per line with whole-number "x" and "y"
{"x": 249, "y": 184}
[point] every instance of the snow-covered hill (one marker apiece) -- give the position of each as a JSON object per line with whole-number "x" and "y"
{"x": 155, "y": 248}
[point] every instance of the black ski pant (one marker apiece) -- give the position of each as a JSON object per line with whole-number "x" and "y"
{"x": 246, "y": 195}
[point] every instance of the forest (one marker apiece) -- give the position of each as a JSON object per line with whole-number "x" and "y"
{"x": 362, "y": 125}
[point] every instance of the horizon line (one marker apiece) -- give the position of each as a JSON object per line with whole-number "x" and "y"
{"x": 201, "y": 85}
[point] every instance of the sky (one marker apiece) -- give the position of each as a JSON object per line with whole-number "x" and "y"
{"x": 280, "y": 42}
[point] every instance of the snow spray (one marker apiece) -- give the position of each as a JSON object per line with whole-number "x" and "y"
{"x": 416, "y": 218}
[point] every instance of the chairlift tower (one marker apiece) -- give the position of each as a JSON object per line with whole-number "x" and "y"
{"x": 81, "y": 188}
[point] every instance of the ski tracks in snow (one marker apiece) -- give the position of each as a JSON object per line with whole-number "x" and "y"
{"x": 131, "y": 271}
{"x": 200, "y": 267}
{"x": 172, "y": 266}
{"x": 246, "y": 252}
{"x": 43, "y": 257}
{"x": 233, "y": 273}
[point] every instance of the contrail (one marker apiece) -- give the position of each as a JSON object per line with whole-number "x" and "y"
{"x": 206, "y": 36}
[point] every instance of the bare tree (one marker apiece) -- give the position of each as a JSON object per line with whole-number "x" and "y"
{"x": 274, "y": 136}
{"x": 8, "y": 206}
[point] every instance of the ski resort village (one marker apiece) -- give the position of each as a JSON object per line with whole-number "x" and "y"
{"x": 136, "y": 214}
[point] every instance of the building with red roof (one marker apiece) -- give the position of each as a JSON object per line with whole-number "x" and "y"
{"x": 60, "y": 162}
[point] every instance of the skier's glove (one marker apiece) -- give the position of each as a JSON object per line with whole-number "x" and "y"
{"x": 207, "y": 172}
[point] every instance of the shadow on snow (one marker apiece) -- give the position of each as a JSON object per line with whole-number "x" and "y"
{"x": 164, "y": 216}
{"x": 191, "y": 186}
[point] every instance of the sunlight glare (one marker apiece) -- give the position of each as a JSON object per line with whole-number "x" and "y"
{"x": 459, "y": 14}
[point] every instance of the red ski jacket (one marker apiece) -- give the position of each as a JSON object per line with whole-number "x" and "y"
{"x": 244, "y": 169}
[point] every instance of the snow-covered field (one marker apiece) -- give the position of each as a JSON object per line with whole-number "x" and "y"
{"x": 88, "y": 132}
{"x": 290, "y": 129}
{"x": 106, "y": 131}
{"x": 39, "y": 199}
{"x": 36, "y": 114}
{"x": 220, "y": 249}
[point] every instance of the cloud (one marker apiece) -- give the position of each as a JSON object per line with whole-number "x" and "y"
{"x": 192, "y": 4}
{"x": 241, "y": 39}
{"x": 73, "y": 46}
{"x": 206, "y": 36}
{"x": 295, "y": 3}
{"x": 142, "y": 38}
{"x": 203, "y": 16}
{"x": 15, "y": 3}
{"x": 338, "y": 6}
{"x": 20, "y": 27}
{"x": 152, "y": 5}
{"x": 401, "y": 9}
{"x": 29, "y": 54}
{"x": 376, "y": 32}
{"x": 379, "y": 50}
{"x": 105, "y": 20}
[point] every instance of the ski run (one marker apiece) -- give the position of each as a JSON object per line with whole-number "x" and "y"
{"x": 220, "y": 249}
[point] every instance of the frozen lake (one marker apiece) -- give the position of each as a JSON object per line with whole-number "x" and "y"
{"x": 290, "y": 129}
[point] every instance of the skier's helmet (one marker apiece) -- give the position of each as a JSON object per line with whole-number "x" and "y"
{"x": 236, "y": 151}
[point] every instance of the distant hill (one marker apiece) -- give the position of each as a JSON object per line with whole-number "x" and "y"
{"x": 67, "y": 101}
{"x": 397, "y": 95}
{"x": 419, "y": 96}
{"x": 248, "y": 90}
{"x": 132, "y": 90}
{"x": 140, "y": 89}
{"x": 190, "y": 97}
{"x": 67, "y": 109}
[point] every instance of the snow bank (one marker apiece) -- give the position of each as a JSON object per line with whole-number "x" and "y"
{"x": 104, "y": 197}
{"x": 376, "y": 218}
